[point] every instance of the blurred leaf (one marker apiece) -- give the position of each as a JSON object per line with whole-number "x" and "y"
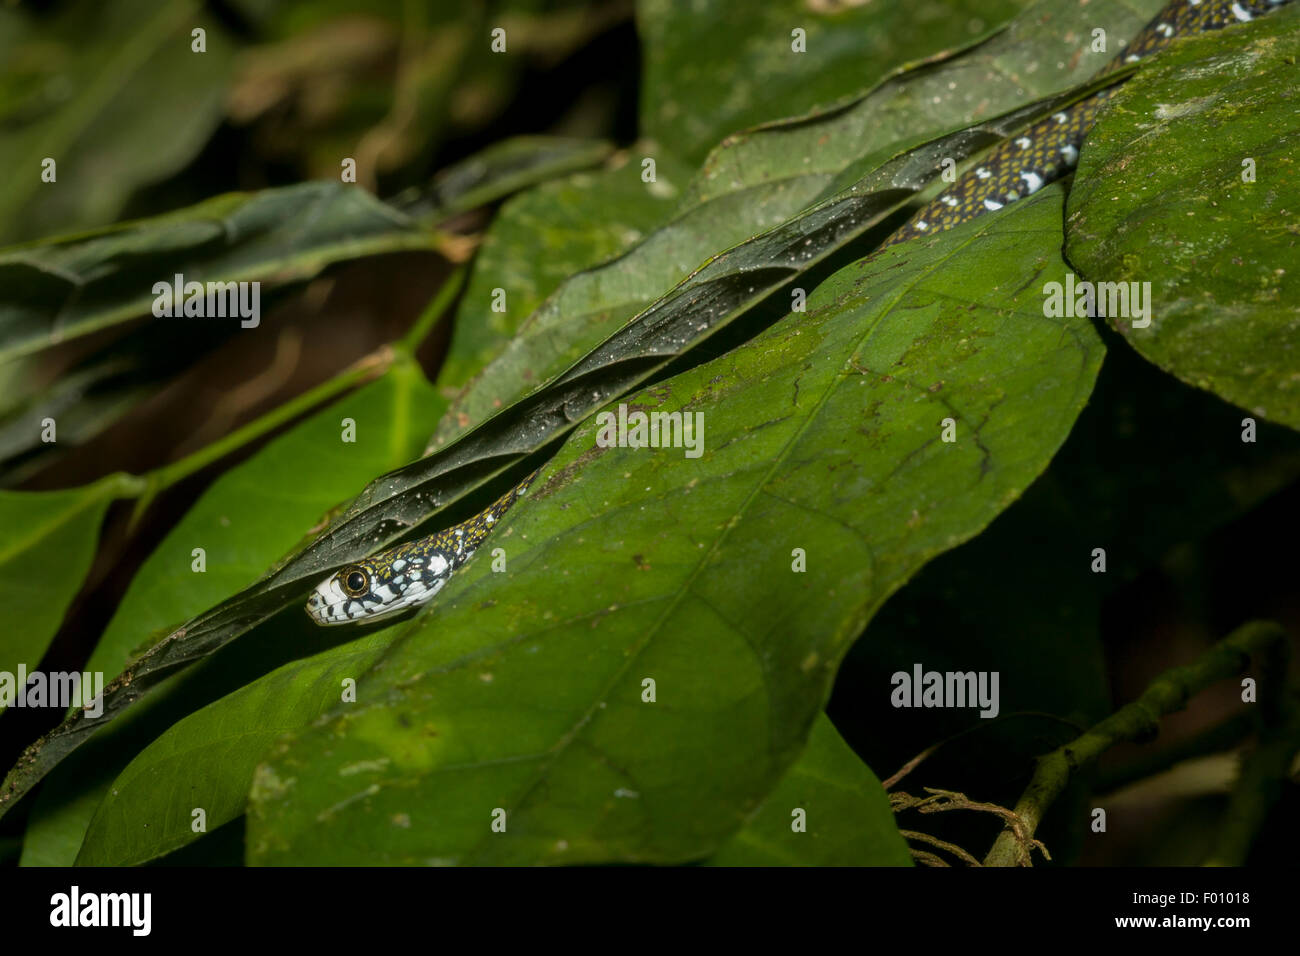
{"x": 511, "y": 166}
{"x": 1154, "y": 205}
{"x": 824, "y": 435}
{"x": 60, "y": 288}
{"x": 48, "y": 546}
{"x": 848, "y": 818}
{"x": 89, "y": 395}
{"x": 112, "y": 93}
{"x": 388, "y": 84}
{"x": 849, "y": 46}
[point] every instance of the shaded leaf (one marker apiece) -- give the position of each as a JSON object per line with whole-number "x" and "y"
{"x": 89, "y": 396}
{"x": 1154, "y": 204}
{"x": 208, "y": 758}
{"x": 849, "y": 821}
{"x": 56, "y": 289}
{"x": 823, "y": 433}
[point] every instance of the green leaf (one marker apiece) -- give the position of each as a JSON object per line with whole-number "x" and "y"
{"x": 207, "y": 759}
{"x": 1043, "y": 51}
{"x": 1154, "y": 203}
{"x": 391, "y": 506}
{"x": 757, "y": 179}
{"x": 48, "y": 546}
{"x": 848, "y": 818}
{"x": 73, "y": 88}
{"x": 688, "y": 47}
{"x": 547, "y": 234}
{"x": 523, "y": 690}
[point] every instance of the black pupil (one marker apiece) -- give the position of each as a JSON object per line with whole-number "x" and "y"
{"x": 356, "y": 581}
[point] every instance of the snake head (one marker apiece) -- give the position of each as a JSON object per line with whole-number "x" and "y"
{"x": 380, "y": 586}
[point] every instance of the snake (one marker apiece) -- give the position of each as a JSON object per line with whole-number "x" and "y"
{"x": 410, "y": 575}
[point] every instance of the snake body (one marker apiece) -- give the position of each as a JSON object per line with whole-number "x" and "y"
{"x": 411, "y": 574}
{"x": 1047, "y": 150}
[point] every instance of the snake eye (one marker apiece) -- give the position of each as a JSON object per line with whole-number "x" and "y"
{"x": 356, "y": 582}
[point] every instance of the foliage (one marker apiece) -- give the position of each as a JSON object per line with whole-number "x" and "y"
{"x": 906, "y": 458}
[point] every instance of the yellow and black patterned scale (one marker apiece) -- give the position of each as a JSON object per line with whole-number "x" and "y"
{"x": 1049, "y": 149}
{"x": 407, "y": 575}
{"x": 411, "y": 574}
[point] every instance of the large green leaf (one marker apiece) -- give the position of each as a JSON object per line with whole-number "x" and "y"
{"x": 391, "y": 506}
{"x": 1161, "y": 199}
{"x": 688, "y": 48}
{"x": 207, "y": 760}
{"x": 757, "y": 179}
{"x": 48, "y": 543}
{"x": 523, "y": 690}
{"x": 847, "y": 815}
{"x": 74, "y": 88}
{"x": 1044, "y": 50}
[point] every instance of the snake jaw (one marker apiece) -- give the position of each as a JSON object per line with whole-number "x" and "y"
{"x": 328, "y": 602}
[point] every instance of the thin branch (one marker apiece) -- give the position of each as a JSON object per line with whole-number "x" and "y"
{"x": 952, "y": 848}
{"x": 1136, "y": 721}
